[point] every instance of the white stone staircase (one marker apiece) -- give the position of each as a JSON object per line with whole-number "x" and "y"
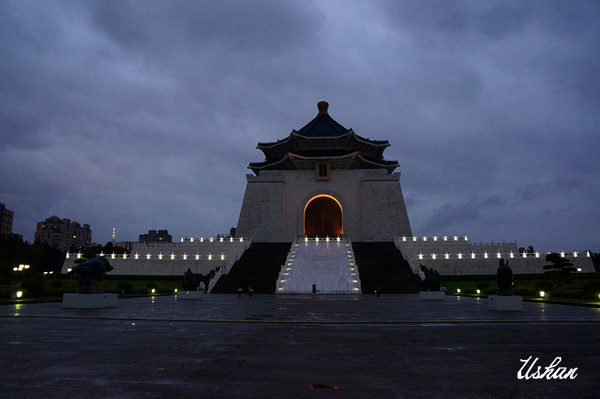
{"x": 326, "y": 263}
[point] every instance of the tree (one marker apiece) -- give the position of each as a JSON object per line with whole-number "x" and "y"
{"x": 432, "y": 281}
{"x": 46, "y": 258}
{"x": 560, "y": 269}
{"x": 109, "y": 248}
{"x": 13, "y": 251}
{"x": 40, "y": 256}
{"x": 528, "y": 250}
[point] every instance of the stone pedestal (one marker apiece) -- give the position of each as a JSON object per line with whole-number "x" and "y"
{"x": 190, "y": 294}
{"x": 432, "y": 295}
{"x": 497, "y": 302}
{"x": 90, "y": 301}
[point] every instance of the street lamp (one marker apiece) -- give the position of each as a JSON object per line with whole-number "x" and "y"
{"x": 20, "y": 268}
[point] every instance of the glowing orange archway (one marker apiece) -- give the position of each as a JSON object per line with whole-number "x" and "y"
{"x": 323, "y": 216}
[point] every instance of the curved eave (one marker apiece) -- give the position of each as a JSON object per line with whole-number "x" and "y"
{"x": 258, "y": 166}
{"x": 260, "y": 146}
{"x": 349, "y": 133}
{"x": 375, "y": 143}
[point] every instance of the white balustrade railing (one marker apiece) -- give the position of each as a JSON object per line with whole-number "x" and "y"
{"x": 415, "y": 269}
{"x": 227, "y": 268}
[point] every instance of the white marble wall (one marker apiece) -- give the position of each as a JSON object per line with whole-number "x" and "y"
{"x": 171, "y": 259}
{"x": 372, "y": 204}
{"x": 450, "y": 256}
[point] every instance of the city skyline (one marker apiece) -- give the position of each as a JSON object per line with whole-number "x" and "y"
{"x": 145, "y": 115}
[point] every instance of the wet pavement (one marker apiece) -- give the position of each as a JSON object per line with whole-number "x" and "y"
{"x": 294, "y": 346}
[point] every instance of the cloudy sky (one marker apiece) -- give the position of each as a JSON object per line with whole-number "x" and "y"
{"x": 145, "y": 114}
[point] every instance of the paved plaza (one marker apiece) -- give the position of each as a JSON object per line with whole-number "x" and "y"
{"x": 293, "y": 346}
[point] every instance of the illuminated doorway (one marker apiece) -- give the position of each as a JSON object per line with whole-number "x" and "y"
{"x": 323, "y": 217}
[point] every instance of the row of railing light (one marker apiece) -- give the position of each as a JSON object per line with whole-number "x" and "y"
{"x": 435, "y": 238}
{"x": 160, "y": 256}
{"x": 212, "y": 239}
{"x": 352, "y": 268}
{"x": 287, "y": 269}
{"x": 326, "y": 239}
{"x": 498, "y": 255}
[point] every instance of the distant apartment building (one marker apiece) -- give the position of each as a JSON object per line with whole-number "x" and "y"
{"x": 6, "y": 220}
{"x": 156, "y": 236}
{"x": 64, "y": 234}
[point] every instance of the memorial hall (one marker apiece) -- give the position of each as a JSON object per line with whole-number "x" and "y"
{"x": 324, "y": 213}
{"x": 323, "y": 180}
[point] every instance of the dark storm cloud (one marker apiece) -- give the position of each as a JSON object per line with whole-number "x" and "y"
{"x": 145, "y": 114}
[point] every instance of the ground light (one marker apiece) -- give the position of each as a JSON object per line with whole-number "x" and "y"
{"x": 19, "y": 294}
{"x": 542, "y": 294}
{"x": 458, "y": 290}
{"x": 478, "y": 291}
{"x": 153, "y": 290}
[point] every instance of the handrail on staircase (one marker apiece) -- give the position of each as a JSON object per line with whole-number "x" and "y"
{"x": 225, "y": 269}
{"x": 415, "y": 269}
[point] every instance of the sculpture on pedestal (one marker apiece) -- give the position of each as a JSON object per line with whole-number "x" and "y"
{"x": 89, "y": 271}
{"x": 191, "y": 281}
{"x": 504, "y": 277}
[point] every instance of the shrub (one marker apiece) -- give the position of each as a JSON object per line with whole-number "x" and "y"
{"x": 591, "y": 289}
{"x": 56, "y": 284}
{"x": 35, "y": 285}
{"x": 567, "y": 293}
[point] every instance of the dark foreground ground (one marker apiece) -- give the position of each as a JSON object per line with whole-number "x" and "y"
{"x": 268, "y": 346}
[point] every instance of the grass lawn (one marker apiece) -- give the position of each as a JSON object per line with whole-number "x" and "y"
{"x": 54, "y": 288}
{"x": 581, "y": 289}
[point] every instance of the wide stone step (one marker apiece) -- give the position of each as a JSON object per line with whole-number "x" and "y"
{"x": 323, "y": 266}
{"x": 258, "y": 268}
{"x": 381, "y": 265}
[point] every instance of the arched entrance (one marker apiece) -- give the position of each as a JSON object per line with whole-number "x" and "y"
{"x": 323, "y": 217}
